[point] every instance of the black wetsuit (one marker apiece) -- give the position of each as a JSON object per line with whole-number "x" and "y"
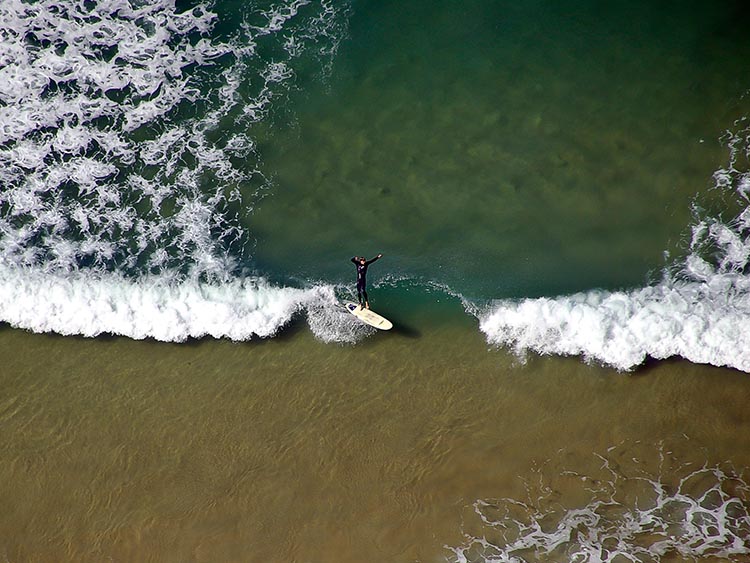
{"x": 362, "y": 278}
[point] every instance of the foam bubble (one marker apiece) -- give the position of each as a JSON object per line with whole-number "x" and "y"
{"x": 702, "y": 322}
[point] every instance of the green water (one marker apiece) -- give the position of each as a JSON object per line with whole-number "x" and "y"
{"x": 503, "y": 149}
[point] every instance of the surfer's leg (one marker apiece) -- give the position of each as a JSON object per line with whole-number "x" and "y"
{"x": 367, "y": 302}
{"x": 361, "y": 294}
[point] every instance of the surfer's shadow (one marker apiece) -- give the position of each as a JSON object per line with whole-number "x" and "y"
{"x": 403, "y": 329}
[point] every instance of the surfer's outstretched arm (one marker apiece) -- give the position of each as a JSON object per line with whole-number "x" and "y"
{"x": 373, "y": 260}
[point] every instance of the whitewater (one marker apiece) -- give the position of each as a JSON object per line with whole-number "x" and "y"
{"x": 121, "y": 195}
{"x": 700, "y": 310}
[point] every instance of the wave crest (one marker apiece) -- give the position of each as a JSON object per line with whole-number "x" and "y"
{"x": 153, "y": 307}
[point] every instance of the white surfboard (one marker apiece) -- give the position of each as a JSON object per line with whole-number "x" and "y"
{"x": 369, "y": 317}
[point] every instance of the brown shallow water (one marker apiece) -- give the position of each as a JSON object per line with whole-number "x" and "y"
{"x": 294, "y": 450}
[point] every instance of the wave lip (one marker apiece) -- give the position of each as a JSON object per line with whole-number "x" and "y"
{"x": 704, "y": 322}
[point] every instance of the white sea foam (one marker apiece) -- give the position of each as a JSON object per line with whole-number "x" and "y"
{"x": 629, "y": 515}
{"x": 64, "y": 143}
{"x": 153, "y": 307}
{"x": 704, "y": 322}
{"x": 94, "y": 120}
{"x": 700, "y": 311}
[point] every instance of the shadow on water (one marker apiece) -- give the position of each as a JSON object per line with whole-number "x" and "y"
{"x": 285, "y": 333}
{"x": 652, "y": 366}
{"x": 405, "y": 330}
{"x": 296, "y": 326}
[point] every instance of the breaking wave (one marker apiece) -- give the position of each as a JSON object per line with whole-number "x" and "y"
{"x": 699, "y": 311}
{"x": 127, "y": 159}
{"x": 152, "y": 307}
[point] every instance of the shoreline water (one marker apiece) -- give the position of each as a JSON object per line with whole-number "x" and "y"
{"x": 700, "y": 319}
{"x": 169, "y": 174}
{"x": 292, "y": 449}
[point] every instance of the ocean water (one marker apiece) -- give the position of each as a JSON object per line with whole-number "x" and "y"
{"x": 543, "y": 179}
{"x": 576, "y": 176}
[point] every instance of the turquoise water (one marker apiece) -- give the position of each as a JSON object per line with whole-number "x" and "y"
{"x": 503, "y": 150}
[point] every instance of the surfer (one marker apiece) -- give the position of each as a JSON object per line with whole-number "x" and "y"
{"x": 361, "y": 263}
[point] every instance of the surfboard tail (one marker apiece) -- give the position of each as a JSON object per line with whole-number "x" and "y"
{"x": 369, "y": 316}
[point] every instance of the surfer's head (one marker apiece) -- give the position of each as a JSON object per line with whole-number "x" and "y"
{"x": 361, "y": 260}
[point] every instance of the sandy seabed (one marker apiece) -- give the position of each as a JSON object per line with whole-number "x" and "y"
{"x": 293, "y": 450}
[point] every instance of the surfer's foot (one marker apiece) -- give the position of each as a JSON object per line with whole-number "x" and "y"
{"x": 367, "y": 305}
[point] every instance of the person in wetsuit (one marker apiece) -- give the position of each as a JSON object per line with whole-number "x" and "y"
{"x": 361, "y": 263}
